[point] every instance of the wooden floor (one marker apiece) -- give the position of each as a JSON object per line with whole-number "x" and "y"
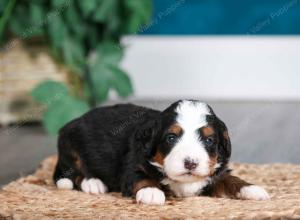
{"x": 261, "y": 132}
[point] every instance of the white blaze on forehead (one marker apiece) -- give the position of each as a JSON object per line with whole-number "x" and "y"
{"x": 192, "y": 115}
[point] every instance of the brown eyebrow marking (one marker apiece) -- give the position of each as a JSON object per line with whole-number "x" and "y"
{"x": 176, "y": 129}
{"x": 207, "y": 131}
{"x": 144, "y": 183}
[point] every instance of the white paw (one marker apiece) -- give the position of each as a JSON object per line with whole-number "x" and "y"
{"x": 253, "y": 192}
{"x": 93, "y": 186}
{"x": 64, "y": 183}
{"x": 150, "y": 196}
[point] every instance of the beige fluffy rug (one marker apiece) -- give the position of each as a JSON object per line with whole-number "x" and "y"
{"x": 35, "y": 197}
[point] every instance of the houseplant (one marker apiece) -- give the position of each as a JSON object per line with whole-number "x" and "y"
{"x": 85, "y": 37}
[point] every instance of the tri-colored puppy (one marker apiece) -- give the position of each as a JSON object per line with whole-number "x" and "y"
{"x": 148, "y": 154}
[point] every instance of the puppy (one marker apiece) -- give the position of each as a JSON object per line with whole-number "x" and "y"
{"x": 147, "y": 154}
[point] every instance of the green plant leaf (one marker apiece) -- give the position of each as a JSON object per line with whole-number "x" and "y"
{"x": 114, "y": 23}
{"x": 121, "y": 82}
{"x": 106, "y": 77}
{"x": 18, "y": 24}
{"x": 6, "y": 10}
{"x": 93, "y": 35}
{"x": 87, "y": 7}
{"x": 37, "y": 17}
{"x": 57, "y": 30}
{"x": 104, "y": 10}
{"x": 61, "y": 107}
{"x": 74, "y": 29}
{"x": 59, "y": 3}
{"x": 109, "y": 53}
{"x": 73, "y": 54}
{"x": 101, "y": 80}
{"x": 61, "y": 112}
{"x": 36, "y": 13}
{"x": 106, "y": 74}
{"x": 3, "y": 5}
{"x": 73, "y": 16}
{"x": 140, "y": 14}
{"x": 49, "y": 91}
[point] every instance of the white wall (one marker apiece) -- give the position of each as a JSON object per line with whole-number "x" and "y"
{"x": 214, "y": 67}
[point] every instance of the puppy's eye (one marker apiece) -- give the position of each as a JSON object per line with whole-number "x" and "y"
{"x": 171, "y": 138}
{"x": 209, "y": 141}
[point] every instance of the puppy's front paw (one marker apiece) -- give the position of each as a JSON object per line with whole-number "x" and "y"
{"x": 64, "y": 183}
{"x": 253, "y": 192}
{"x": 93, "y": 186}
{"x": 150, "y": 196}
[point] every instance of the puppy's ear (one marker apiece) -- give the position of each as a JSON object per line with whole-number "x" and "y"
{"x": 225, "y": 144}
{"x": 146, "y": 136}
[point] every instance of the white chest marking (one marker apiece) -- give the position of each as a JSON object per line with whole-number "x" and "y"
{"x": 186, "y": 189}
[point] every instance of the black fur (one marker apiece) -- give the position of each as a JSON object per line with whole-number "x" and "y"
{"x": 115, "y": 144}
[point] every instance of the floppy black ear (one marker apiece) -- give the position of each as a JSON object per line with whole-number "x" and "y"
{"x": 147, "y": 136}
{"x": 225, "y": 144}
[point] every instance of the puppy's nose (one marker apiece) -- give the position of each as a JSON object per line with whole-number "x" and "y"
{"x": 190, "y": 164}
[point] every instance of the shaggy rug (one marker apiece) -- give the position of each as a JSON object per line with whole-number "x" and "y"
{"x": 35, "y": 197}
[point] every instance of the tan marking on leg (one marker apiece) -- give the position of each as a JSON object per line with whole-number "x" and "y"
{"x": 78, "y": 181}
{"x": 229, "y": 186}
{"x": 144, "y": 183}
{"x": 77, "y": 160}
